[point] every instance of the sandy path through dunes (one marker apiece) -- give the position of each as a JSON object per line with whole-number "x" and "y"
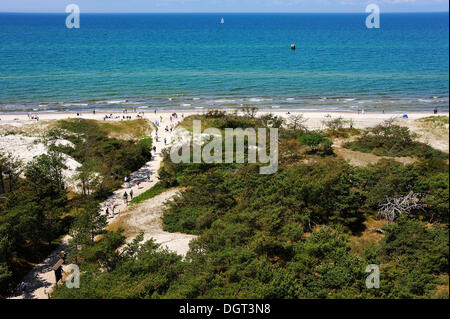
{"x": 146, "y": 218}
{"x": 41, "y": 278}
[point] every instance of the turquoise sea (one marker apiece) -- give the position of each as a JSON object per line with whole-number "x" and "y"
{"x": 187, "y": 61}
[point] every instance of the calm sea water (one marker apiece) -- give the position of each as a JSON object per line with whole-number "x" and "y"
{"x": 193, "y": 61}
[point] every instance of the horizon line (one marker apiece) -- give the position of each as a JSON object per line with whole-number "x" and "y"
{"x": 226, "y": 12}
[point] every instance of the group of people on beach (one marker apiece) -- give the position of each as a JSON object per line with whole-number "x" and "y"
{"x": 168, "y": 128}
{"x": 33, "y": 116}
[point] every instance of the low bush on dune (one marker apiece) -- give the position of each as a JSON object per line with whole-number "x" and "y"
{"x": 317, "y": 142}
{"x": 393, "y": 140}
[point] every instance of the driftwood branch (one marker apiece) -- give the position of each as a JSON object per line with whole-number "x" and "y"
{"x": 395, "y": 207}
{"x": 378, "y": 230}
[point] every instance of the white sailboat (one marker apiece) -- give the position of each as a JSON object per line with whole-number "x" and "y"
{"x": 222, "y": 21}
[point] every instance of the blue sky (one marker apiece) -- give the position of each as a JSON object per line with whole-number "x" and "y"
{"x": 222, "y": 5}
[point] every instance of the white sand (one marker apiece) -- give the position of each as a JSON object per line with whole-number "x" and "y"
{"x": 146, "y": 218}
{"x": 26, "y": 148}
{"x": 315, "y": 118}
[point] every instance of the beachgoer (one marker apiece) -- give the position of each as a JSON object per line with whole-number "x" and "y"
{"x": 125, "y": 198}
{"x": 435, "y": 110}
{"x": 131, "y": 194}
{"x": 107, "y": 211}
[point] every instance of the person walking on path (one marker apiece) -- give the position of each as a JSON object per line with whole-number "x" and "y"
{"x": 127, "y": 179}
{"x": 131, "y": 194}
{"x": 125, "y": 198}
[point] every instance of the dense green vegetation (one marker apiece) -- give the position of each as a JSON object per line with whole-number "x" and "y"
{"x": 287, "y": 235}
{"x": 112, "y": 158}
{"x": 31, "y": 214}
{"x": 389, "y": 139}
{"x": 37, "y": 207}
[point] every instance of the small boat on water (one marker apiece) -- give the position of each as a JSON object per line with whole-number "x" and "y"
{"x": 222, "y": 21}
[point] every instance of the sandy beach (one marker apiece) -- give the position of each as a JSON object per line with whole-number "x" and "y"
{"x": 315, "y": 118}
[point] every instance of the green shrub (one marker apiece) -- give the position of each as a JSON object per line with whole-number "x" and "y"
{"x": 317, "y": 142}
{"x": 393, "y": 140}
{"x": 155, "y": 190}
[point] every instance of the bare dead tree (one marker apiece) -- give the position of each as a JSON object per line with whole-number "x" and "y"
{"x": 297, "y": 122}
{"x": 394, "y": 207}
{"x": 334, "y": 125}
{"x": 249, "y": 111}
{"x": 389, "y": 122}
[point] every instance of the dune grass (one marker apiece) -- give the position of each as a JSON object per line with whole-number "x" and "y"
{"x": 121, "y": 130}
{"x": 133, "y": 129}
{"x": 157, "y": 189}
{"x": 437, "y": 125}
{"x": 438, "y": 120}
